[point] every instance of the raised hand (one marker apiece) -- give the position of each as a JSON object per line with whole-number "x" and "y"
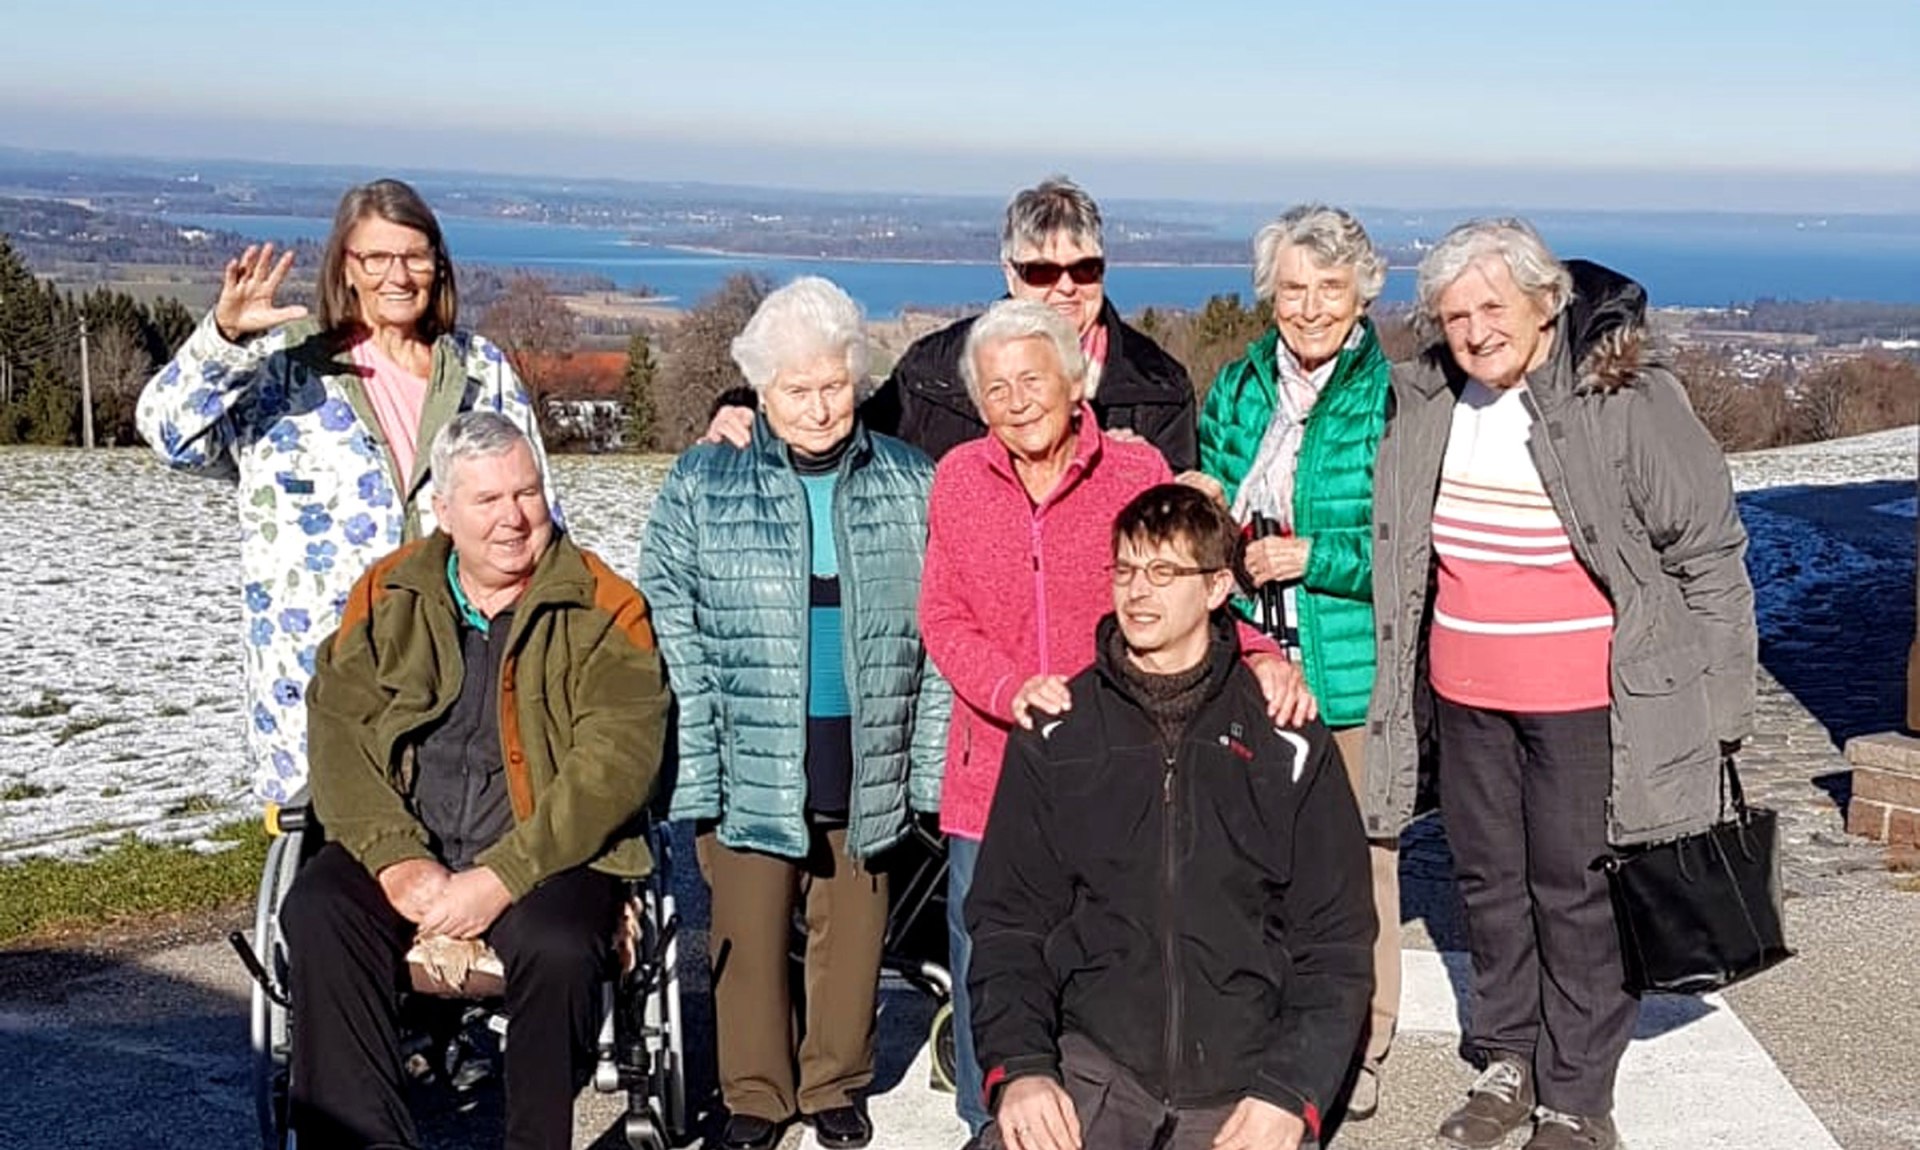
{"x": 247, "y": 288}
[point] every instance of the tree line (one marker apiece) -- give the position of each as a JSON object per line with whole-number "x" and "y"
{"x": 676, "y": 373}
{"x": 40, "y": 357}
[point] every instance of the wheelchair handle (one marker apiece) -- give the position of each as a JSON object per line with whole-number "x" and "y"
{"x": 285, "y": 820}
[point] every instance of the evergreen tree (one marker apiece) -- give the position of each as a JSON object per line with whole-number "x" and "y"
{"x": 641, "y": 429}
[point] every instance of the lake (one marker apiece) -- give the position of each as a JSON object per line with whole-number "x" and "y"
{"x": 1684, "y": 259}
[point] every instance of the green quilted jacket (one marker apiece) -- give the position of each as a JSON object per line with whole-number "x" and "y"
{"x": 1332, "y": 502}
{"x": 726, "y": 568}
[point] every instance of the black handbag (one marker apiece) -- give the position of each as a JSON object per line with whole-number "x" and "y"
{"x": 1699, "y": 913}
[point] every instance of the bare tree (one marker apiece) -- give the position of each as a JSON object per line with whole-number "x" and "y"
{"x": 698, "y": 366}
{"x": 120, "y": 366}
{"x": 533, "y": 326}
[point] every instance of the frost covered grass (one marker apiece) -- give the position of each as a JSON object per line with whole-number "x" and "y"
{"x": 120, "y": 623}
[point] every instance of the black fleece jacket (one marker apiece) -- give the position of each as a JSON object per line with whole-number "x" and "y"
{"x": 1205, "y": 918}
{"x": 1142, "y": 389}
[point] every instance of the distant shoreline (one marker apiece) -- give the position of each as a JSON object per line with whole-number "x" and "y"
{"x": 915, "y": 261}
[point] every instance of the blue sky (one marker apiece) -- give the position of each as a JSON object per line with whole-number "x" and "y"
{"x": 1632, "y": 103}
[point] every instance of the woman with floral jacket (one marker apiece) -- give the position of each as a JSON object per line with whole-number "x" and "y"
{"x": 321, "y": 422}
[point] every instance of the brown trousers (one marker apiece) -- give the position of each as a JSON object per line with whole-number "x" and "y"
{"x": 1384, "y": 855}
{"x": 754, "y": 896}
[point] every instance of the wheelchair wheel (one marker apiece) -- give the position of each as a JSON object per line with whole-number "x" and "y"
{"x": 946, "y": 1059}
{"x": 271, "y": 1023}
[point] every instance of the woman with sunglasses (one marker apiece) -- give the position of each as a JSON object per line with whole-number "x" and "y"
{"x": 1051, "y": 251}
{"x": 1287, "y": 441}
{"x": 1019, "y": 527}
{"x": 324, "y": 421}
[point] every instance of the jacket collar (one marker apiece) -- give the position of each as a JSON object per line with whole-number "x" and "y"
{"x": 1599, "y": 340}
{"x": 1355, "y": 358}
{"x": 773, "y": 450}
{"x": 1223, "y": 655}
{"x": 560, "y": 579}
{"x": 1089, "y": 445}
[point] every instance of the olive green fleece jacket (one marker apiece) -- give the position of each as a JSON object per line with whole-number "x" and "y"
{"x": 583, "y": 714}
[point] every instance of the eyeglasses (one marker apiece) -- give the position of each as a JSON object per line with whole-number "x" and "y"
{"x": 380, "y": 263}
{"x": 1046, "y": 273}
{"x": 1160, "y": 572}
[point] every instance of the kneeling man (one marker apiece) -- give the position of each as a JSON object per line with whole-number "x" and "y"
{"x": 1172, "y": 917}
{"x": 485, "y": 728}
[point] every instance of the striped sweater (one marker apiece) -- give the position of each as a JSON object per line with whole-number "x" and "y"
{"x": 1518, "y": 623}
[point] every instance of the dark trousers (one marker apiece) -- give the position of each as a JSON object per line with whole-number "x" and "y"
{"x": 347, "y": 951}
{"x": 1117, "y": 1113}
{"x": 754, "y": 896}
{"x": 1524, "y": 797}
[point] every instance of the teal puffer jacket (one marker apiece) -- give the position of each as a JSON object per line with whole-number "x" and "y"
{"x": 1332, "y": 502}
{"x": 725, "y": 566}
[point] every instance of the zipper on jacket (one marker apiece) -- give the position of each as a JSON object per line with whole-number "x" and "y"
{"x": 1576, "y": 536}
{"x": 849, "y": 659}
{"x": 1169, "y": 899}
{"x": 1039, "y": 593}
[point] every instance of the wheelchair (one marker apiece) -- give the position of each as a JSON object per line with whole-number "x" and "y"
{"x": 639, "y": 1049}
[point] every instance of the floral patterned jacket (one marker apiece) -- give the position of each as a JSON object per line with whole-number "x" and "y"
{"x": 284, "y": 413}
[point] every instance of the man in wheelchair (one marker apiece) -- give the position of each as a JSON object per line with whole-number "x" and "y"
{"x": 485, "y": 729}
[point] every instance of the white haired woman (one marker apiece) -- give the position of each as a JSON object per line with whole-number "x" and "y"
{"x": 1573, "y": 609}
{"x": 324, "y": 420}
{"x": 784, "y": 581}
{"x": 1303, "y": 489}
{"x": 1019, "y": 536}
{"x": 1052, "y": 251}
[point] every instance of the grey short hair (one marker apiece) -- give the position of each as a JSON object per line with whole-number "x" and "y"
{"x": 471, "y": 435}
{"x": 1334, "y": 238}
{"x": 1012, "y": 319}
{"x": 1514, "y": 240}
{"x": 1054, "y": 205}
{"x": 809, "y": 317}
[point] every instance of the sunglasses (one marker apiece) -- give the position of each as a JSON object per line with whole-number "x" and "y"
{"x": 1046, "y": 273}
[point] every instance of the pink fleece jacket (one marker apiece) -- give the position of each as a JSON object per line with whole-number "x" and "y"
{"x": 1011, "y": 590}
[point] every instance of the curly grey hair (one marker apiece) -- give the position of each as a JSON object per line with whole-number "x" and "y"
{"x": 470, "y": 435}
{"x": 1335, "y": 239}
{"x": 1012, "y": 319}
{"x": 1054, "y": 205}
{"x": 1514, "y": 240}
{"x": 809, "y": 317}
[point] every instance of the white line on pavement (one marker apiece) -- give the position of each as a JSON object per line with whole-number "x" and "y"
{"x": 1694, "y": 1077}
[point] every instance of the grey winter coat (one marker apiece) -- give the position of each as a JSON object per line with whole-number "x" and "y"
{"x": 726, "y": 567}
{"x": 1648, "y": 505}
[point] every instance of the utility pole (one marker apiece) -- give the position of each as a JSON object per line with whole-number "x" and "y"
{"x": 86, "y": 390}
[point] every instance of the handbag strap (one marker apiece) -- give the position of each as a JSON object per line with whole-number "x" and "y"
{"x": 1730, "y": 787}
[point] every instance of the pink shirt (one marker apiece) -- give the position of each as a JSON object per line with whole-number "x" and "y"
{"x": 397, "y": 396}
{"x": 1518, "y": 624}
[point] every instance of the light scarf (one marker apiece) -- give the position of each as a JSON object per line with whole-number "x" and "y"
{"x": 1268, "y": 486}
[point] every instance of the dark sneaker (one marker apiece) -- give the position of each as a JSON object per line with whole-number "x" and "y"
{"x": 1497, "y": 1103}
{"x": 745, "y": 1132}
{"x": 1553, "y": 1130}
{"x": 841, "y": 1128}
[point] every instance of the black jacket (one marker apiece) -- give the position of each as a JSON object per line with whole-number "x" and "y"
{"x": 1142, "y": 389}
{"x": 1206, "y": 919}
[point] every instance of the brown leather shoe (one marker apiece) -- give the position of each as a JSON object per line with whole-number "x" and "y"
{"x": 1556, "y": 1131}
{"x": 1498, "y": 1102}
